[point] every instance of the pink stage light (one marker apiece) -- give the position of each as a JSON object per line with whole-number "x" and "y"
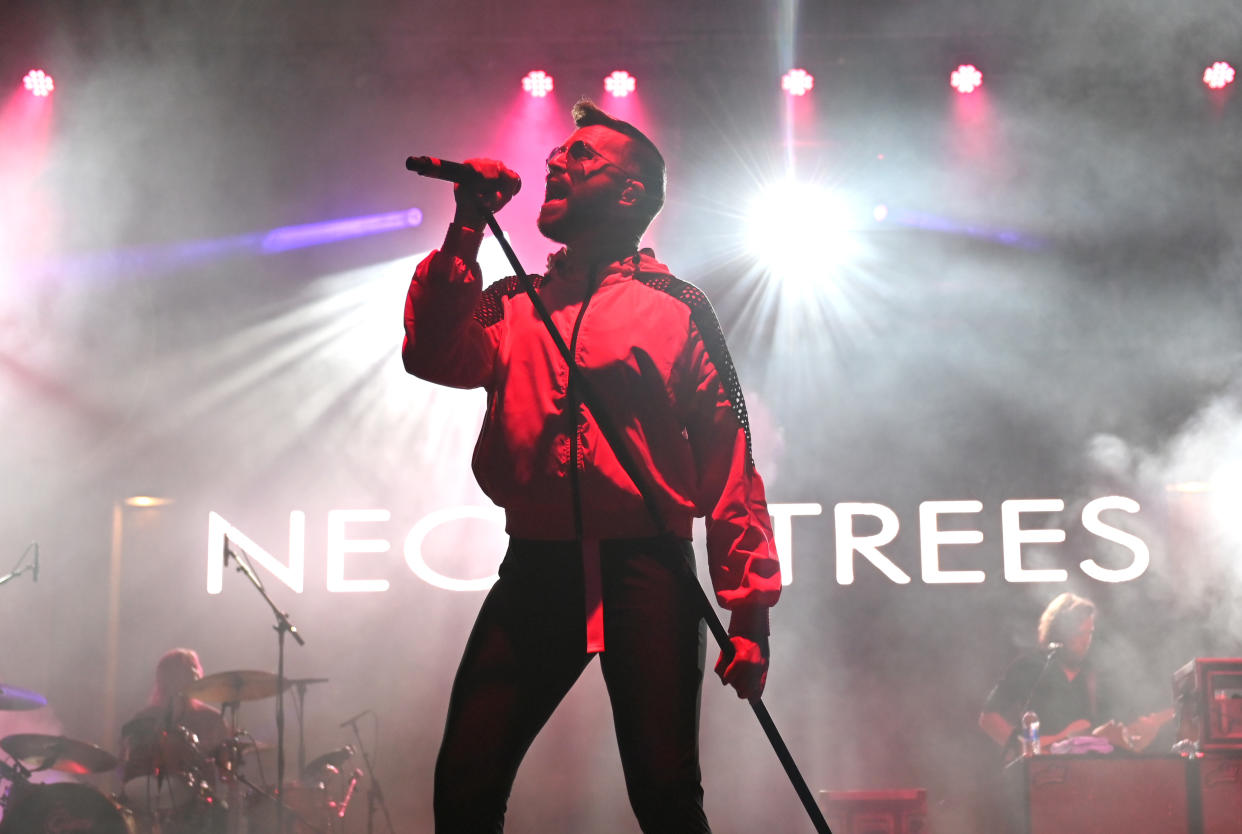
{"x": 538, "y": 83}
{"x": 966, "y": 78}
{"x": 797, "y": 82}
{"x": 1218, "y": 76}
{"x": 620, "y": 84}
{"x": 39, "y": 83}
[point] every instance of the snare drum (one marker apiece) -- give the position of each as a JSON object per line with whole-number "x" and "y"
{"x": 65, "y": 807}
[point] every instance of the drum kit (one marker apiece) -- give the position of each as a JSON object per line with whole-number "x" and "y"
{"x": 173, "y": 781}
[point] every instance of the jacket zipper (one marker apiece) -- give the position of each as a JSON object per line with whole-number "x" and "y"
{"x": 575, "y": 406}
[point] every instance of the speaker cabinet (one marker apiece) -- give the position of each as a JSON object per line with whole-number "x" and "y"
{"x": 876, "y": 812}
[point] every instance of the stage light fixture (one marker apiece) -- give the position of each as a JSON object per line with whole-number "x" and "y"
{"x": 797, "y": 82}
{"x": 39, "y": 83}
{"x": 620, "y": 84}
{"x": 966, "y": 79}
{"x": 880, "y": 213}
{"x": 146, "y": 501}
{"x": 537, "y": 83}
{"x": 1218, "y": 76}
{"x": 800, "y": 231}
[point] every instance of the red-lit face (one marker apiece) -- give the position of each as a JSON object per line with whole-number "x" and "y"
{"x": 586, "y": 179}
{"x": 1079, "y": 643}
{"x": 177, "y": 671}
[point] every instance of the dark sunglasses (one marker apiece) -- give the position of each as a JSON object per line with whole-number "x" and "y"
{"x": 580, "y": 152}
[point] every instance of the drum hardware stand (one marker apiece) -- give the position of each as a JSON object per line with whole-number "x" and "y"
{"x": 375, "y": 792}
{"x": 282, "y": 627}
{"x": 299, "y": 688}
{"x": 15, "y": 773}
{"x": 614, "y": 441}
{"x": 281, "y": 807}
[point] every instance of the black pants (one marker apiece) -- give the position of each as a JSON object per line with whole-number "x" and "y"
{"x": 527, "y": 649}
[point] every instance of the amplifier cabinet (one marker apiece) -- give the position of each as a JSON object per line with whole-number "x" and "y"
{"x": 1099, "y": 795}
{"x": 1208, "y": 694}
{"x": 1220, "y": 793}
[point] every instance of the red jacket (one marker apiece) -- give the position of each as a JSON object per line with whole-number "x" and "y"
{"x": 653, "y": 351}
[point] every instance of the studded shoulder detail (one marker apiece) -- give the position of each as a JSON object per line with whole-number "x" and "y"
{"x": 704, "y": 317}
{"x": 490, "y": 308}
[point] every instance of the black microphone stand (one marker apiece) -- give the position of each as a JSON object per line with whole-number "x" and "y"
{"x": 1017, "y": 729}
{"x": 375, "y": 791}
{"x": 613, "y": 438}
{"x": 282, "y": 627}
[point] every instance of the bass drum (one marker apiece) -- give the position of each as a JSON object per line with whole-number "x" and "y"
{"x": 177, "y": 804}
{"x": 64, "y": 807}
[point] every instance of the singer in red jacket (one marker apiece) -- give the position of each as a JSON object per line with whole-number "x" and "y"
{"x": 588, "y": 571}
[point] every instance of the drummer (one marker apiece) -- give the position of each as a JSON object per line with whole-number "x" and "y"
{"x": 167, "y": 711}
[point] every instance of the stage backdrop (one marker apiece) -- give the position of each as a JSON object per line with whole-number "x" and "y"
{"x": 1022, "y": 380}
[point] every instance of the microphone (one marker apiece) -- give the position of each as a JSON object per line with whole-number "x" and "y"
{"x": 442, "y": 169}
{"x": 354, "y": 720}
{"x": 35, "y": 570}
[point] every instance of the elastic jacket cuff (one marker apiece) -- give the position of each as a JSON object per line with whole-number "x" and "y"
{"x": 751, "y": 621}
{"x": 463, "y": 242}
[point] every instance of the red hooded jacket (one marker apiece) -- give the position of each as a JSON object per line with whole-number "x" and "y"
{"x": 654, "y": 353}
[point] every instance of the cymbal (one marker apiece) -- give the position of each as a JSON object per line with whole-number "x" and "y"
{"x": 12, "y": 698}
{"x": 231, "y": 687}
{"x": 40, "y": 752}
{"x": 335, "y": 758}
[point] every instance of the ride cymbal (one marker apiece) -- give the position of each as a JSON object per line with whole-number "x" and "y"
{"x": 231, "y": 687}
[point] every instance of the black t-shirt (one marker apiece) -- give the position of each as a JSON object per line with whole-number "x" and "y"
{"x": 1057, "y": 700}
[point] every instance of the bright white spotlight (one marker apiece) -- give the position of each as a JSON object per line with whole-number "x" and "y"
{"x": 797, "y": 82}
{"x": 966, "y": 79}
{"x": 39, "y": 83}
{"x": 1219, "y": 76}
{"x": 537, "y": 83}
{"x": 800, "y": 231}
{"x": 620, "y": 84}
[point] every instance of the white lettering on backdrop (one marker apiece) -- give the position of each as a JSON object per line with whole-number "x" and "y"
{"x": 849, "y": 544}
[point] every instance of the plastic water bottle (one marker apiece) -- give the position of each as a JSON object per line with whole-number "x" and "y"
{"x": 1030, "y": 734}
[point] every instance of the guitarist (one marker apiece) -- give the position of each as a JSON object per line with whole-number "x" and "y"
{"x": 1057, "y": 682}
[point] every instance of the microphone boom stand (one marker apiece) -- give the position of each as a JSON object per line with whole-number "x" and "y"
{"x": 375, "y": 792}
{"x": 282, "y": 627}
{"x": 613, "y": 439}
{"x": 19, "y": 570}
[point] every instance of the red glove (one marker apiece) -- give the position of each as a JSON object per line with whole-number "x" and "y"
{"x": 747, "y": 670}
